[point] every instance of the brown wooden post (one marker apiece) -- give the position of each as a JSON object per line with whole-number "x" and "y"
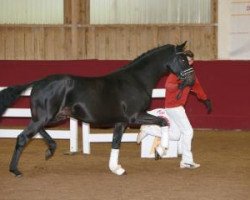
{"x": 74, "y": 23}
{"x": 214, "y": 11}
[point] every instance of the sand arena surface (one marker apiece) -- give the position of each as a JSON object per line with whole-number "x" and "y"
{"x": 224, "y": 174}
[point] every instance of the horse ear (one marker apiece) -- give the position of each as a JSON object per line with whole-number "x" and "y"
{"x": 181, "y": 46}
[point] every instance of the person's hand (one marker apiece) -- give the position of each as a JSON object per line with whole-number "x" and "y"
{"x": 208, "y": 105}
{"x": 182, "y": 85}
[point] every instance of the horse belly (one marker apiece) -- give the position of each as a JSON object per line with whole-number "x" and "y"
{"x": 99, "y": 113}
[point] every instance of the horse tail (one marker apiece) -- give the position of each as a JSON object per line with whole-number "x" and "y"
{"x": 10, "y": 94}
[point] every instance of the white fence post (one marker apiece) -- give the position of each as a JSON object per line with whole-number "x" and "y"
{"x": 73, "y": 135}
{"x": 86, "y": 138}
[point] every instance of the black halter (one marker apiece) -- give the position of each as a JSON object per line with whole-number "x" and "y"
{"x": 183, "y": 75}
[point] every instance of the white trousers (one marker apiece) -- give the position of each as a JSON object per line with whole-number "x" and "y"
{"x": 179, "y": 117}
{"x": 173, "y": 131}
{"x": 166, "y": 133}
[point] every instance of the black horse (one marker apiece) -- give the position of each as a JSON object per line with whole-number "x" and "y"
{"x": 120, "y": 98}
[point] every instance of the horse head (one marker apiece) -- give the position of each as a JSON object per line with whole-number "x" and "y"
{"x": 181, "y": 67}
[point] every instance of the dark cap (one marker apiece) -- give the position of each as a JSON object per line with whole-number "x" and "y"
{"x": 189, "y": 53}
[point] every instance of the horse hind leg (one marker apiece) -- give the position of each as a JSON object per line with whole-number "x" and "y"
{"x": 50, "y": 142}
{"x": 60, "y": 116}
{"x": 21, "y": 142}
{"x": 53, "y": 119}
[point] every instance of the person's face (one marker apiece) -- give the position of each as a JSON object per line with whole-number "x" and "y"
{"x": 190, "y": 60}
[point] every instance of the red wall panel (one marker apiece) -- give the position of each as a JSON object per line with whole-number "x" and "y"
{"x": 225, "y": 82}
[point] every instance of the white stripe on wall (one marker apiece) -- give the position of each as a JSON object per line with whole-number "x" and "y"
{"x": 149, "y": 11}
{"x": 31, "y": 11}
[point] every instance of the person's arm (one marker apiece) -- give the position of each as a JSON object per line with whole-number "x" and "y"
{"x": 198, "y": 90}
{"x": 171, "y": 83}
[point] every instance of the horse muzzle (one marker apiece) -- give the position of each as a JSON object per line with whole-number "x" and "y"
{"x": 188, "y": 76}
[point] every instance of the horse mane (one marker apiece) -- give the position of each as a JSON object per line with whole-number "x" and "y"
{"x": 151, "y": 51}
{"x": 145, "y": 54}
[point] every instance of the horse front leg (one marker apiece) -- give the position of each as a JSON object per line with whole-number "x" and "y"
{"x": 148, "y": 119}
{"x": 114, "y": 165}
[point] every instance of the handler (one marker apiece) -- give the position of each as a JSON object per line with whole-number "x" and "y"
{"x": 175, "y": 100}
{"x": 174, "y": 106}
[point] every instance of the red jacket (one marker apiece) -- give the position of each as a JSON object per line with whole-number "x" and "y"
{"x": 172, "y": 91}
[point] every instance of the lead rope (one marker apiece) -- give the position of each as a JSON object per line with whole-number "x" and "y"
{"x": 178, "y": 96}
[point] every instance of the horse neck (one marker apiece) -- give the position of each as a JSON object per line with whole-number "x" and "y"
{"x": 153, "y": 66}
{"x": 149, "y": 73}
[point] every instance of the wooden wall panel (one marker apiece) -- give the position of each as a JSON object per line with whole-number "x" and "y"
{"x": 59, "y": 43}
{"x": 102, "y": 42}
{"x": 146, "y": 40}
{"x": 81, "y": 46}
{"x": 29, "y": 44}
{"x": 122, "y": 43}
{"x": 39, "y": 49}
{"x": 2, "y": 43}
{"x": 185, "y": 35}
{"x": 168, "y": 35}
{"x": 19, "y": 52}
{"x": 9, "y": 43}
{"x": 90, "y": 42}
{"x": 134, "y": 42}
{"x": 49, "y": 43}
{"x": 203, "y": 42}
{"x": 67, "y": 44}
{"x": 111, "y": 43}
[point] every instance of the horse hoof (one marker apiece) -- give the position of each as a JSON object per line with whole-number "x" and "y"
{"x": 19, "y": 175}
{"x": 48, "y": 154}
{"x": 16, "y": 173}
{"x": 157, "y": 155}
{"x": 122, "y": 173}
{"x": 119, "y": 171}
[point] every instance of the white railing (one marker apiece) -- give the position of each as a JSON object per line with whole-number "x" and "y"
{"x": 71, "y": 134}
